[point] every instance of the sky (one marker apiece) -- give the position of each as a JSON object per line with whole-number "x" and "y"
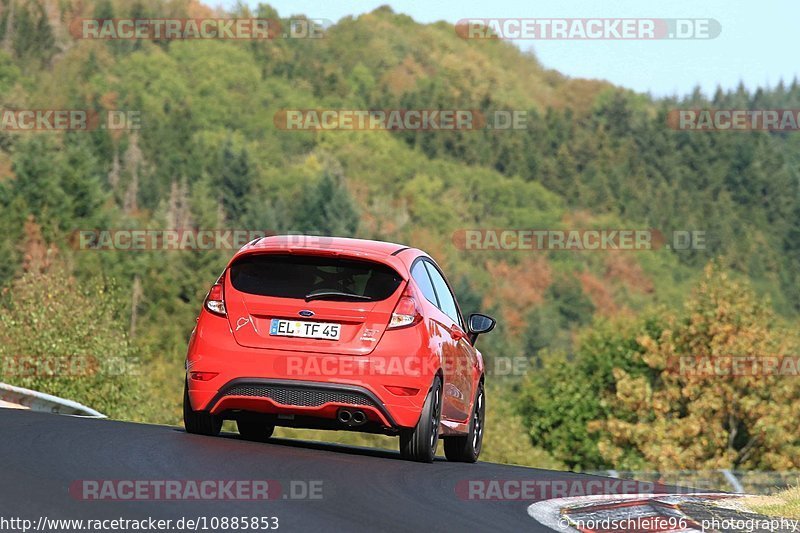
{"x": 755, "y": 45}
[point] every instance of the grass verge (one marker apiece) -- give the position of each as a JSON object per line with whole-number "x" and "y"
{"x": 785, "y": 504}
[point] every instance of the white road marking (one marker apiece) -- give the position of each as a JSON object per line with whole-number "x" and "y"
{"x": 548, "y": 512}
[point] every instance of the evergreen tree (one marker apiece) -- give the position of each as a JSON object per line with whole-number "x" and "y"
{"x": 327, "y": 209}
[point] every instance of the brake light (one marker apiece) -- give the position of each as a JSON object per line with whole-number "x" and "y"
{"x": 215, "y": 301}
{"x": 406, "y": 312}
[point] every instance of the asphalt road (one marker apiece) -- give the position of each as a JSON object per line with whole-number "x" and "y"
{"x": 42, "y": 455}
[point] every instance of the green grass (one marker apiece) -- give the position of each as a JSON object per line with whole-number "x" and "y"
{"x": 785, "y": 504}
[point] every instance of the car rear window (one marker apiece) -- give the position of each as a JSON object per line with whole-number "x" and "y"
{"x": 295, "y": 276}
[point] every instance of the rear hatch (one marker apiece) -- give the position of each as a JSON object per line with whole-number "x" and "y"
{"x": 271, "y": 297}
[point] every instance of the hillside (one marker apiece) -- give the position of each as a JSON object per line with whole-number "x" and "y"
{"x": 208, "y": 155}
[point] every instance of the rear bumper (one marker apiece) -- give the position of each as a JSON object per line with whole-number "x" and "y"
{"x": 274, "y": 396}
{"x": 309, "y": 386}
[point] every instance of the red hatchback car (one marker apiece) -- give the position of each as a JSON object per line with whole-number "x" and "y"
{"x": 334, "y": 333}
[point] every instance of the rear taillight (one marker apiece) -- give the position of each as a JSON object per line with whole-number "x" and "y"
{"x": 215, "y": 301}
{"x": 406, "y": 312}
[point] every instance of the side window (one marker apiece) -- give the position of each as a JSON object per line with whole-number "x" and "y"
{"x": 420, "y": 275}
{"x": 447, "y": 302}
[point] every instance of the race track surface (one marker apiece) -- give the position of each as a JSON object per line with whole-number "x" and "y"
{"x": 362, "y": 490}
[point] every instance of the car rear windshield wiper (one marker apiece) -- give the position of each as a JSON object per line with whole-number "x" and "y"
{"x": 334, "y": 295}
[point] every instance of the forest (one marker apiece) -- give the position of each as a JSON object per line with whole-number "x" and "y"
{"x": 594, "y": 329}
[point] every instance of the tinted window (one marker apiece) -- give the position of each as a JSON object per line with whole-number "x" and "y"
{"x": 420, "y": 275}
{"x": 447, "y": 302}
{"x": 295, "y": 276}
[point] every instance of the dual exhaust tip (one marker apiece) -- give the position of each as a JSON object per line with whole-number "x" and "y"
{"x": 351, "y": 418}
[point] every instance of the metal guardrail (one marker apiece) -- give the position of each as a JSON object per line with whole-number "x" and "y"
{"x": 39, "y": 401}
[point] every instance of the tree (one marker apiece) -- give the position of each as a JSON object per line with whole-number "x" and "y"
{"x": 328, "y": 209}
{"x": 679, "y": 416}
{"x": 80, "y": 349}
{"x": 37, "y": 183}
{"x": 236, "y": 175}
{"x": 134, "y": 161}
{"x": 566, "y": 393}
{"x": 32, "y": 37}
{"x": 638, "y": 393}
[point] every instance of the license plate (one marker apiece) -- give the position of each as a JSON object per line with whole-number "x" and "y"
{"x": 306, "y": 330}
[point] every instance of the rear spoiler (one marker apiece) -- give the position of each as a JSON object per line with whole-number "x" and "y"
{"x": 392, "y": 261}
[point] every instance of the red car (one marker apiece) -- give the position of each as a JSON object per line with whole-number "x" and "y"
{"x": 334, "y": 333}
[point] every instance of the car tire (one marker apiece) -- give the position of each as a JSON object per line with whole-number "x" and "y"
{"x": 199, "y": 422}
{"x": 419, "y": 444}
{"x": 466, "y": 449}
{"x": 255, "y": 428}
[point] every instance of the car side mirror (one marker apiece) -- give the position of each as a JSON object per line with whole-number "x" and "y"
{"x": 479, "y": 324}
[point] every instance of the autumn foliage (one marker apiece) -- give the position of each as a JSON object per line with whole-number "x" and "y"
{"x": 651, "y": 414}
